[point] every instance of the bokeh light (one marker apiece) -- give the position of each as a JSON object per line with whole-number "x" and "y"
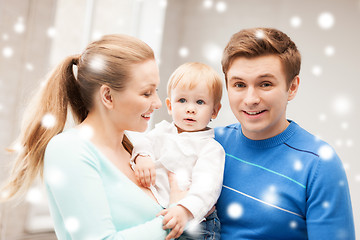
{"x": 207, "y": 3}
{"x": 235, "y": 210}
{"x": 183, "y": 52}
{"x": 326, "y": 20}
{"x": 322, "y": 117}
{"x": 329, "y": 51}
{"x": 163, "y": 3}
{"x": 316, "y": 70}
{"x": 182, "y": 178}
{"x": 326, "y": 152}
{"x": 212, "y": 52}
{"x": 51, "y": 32}
{"x": 295, "y": 21}
{"x": 72, "y": 224}
{"x": 221, "y": 7}
{"x": 325, "y": 204}
{"x": 19, "y": 26}
{"x": 29, "y": 67}
{"x": 7, "y": 52}
{"x": 34, "y": 196}
{"x": 86, "y": 132}
{"x": 48, "y": 120}
{"x": 298, "y": 166}
{"x": 342, "y": 105}
{"x": 259, "y": 34}
{"x": 271, "y": 196}
{"x": 293, "y": 224}
{"x": 55, "y": 177}
{"x": 97, "y": 64}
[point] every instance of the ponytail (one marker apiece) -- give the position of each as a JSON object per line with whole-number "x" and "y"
{"x": 52, "y": 100}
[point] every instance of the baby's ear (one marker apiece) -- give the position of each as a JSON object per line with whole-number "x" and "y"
{"x": 216, "y": 110}
{"x": 168, "y": 105}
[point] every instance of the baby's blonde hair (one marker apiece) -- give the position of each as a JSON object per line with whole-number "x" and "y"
{"x": 188, "y": 75}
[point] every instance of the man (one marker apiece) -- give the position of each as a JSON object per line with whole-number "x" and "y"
{"x": 280, "y": 182}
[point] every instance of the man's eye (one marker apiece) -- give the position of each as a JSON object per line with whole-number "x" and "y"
{"x": 266, "y": 84}
{"x": 147, "y": 94}
{"x": 182, "y": 100}
{"x": 200, "y": 102}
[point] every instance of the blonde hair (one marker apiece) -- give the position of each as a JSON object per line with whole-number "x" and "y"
{"x": 188, "y": 75}
{"x": 106, "y": 61}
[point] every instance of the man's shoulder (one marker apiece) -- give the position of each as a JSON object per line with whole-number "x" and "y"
{"x": 228, "y": 128}
{"x": 305, "y": 141}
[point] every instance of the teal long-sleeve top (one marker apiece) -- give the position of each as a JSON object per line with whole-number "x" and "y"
{"x": 90, "y": 198}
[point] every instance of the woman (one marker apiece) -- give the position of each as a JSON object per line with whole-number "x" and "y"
{"x": 92, "y": 191}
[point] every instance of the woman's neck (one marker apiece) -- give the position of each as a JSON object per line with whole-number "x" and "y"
{"x": 104, "y": 133}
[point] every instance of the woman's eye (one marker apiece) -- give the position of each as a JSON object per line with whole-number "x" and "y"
{"x": 147, "y": 94}
{"x": 239, "y": 85}
{"x": 200, "y": 102}
{"x": 182, "y": 100}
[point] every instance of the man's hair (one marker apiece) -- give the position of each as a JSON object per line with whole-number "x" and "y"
{"x": 256, "y": 42}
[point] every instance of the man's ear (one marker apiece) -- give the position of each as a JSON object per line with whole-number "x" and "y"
{"x": 106, "y": 96}
{"x": 216, "y": 110}
{"x": 294, "y": 86}
{"x": 168, "y": 105}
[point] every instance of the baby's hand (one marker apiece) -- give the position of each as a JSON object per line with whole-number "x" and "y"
{"x": 145, "y": 170}
{"x": 175, "y": 218}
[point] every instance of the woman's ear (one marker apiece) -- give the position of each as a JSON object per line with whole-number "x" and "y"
{"x": 106, "y": 96}
{"x": 294, "y": 86}
{"x": 216, "y": 110}
{"x": 168, "y": 105}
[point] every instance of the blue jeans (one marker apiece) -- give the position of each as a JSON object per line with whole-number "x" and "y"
{"x": 209, "y": 229}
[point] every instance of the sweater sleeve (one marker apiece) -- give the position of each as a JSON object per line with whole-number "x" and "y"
{"x": 78, "y": 199}
{"x": 207, "y": 180}
{"x": 329, "y": 211}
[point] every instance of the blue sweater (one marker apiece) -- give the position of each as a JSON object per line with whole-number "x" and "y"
{"x": 291, "y": 186}
{"x": 90, "y": 198}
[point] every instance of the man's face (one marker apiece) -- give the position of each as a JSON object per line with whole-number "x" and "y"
{"x": 258, "y": 95}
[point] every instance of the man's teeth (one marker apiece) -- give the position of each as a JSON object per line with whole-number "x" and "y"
{"x": 146, "y": 116}
{"x": 253, "y": 113}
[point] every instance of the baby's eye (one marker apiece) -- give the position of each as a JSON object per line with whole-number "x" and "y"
{"x": 182, "y": 100}
{"x": 200, "y": 102}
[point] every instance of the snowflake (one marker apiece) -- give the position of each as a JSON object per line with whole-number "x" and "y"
{"x": 235, "y": 210}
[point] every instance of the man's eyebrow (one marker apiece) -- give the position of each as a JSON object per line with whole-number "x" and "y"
{"x": 266, "y": 75}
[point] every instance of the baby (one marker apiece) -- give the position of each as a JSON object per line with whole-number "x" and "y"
{"x": 187, "y": 148}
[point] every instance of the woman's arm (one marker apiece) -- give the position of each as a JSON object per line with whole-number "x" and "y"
{"x": 79, "y": 199}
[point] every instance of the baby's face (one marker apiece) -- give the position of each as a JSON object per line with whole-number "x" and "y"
{"x": 191, "y": 109}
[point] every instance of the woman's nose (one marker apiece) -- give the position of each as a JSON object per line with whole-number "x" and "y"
{"x": 157, "y": 102}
